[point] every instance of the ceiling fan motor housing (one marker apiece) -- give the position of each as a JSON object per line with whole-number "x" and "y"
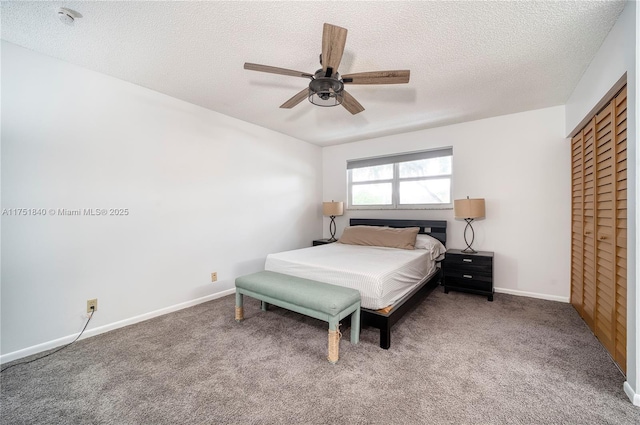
{"x": 326, "y": 91}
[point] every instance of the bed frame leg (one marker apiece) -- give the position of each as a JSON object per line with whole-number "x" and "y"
{"x": 385, "y": 336}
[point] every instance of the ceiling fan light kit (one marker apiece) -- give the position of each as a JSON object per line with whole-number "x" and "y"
{"x": 326, "y": 91}
{"x": 327, "y": 86}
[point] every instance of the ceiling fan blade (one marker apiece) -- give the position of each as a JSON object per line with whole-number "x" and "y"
{"x": 350, "y": 103}
{"x": 302, "y": 95}
{"x": 333, "y": 41}
{"x": 377, "y": 77}
{"x": 276, "y": 70}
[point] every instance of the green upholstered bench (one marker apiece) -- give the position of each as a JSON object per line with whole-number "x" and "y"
{"x": 320, "y": 300}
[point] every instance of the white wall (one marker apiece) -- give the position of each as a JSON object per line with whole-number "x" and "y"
{"x": 205, "y": 193}
{"x": 614, "y": 58}
{"x": 617, "y": 56}
{"x": 520, "y": 164}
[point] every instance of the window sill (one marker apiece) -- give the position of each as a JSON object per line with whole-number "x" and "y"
{"x": 379, "y": 208}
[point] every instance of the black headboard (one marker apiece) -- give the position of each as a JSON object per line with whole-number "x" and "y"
{"x": 435, "y": 228}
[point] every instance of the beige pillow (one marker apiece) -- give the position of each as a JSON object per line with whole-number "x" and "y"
{"x": 404, "y": 238}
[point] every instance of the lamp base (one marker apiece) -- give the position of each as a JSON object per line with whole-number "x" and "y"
{"x": 468, "y": 249}
{"x": 332, "y": 228}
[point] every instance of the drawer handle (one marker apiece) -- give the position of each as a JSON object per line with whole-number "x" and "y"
{"x": 467, "y": 276}
{"x": 467, "y": 260}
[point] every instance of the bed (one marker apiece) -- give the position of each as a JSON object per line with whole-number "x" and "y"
{"x": 391, "y": 281}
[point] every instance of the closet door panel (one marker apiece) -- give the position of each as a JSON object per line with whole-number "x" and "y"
{"x": 605, "y": 282}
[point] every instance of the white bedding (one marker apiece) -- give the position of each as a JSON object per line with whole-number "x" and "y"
{"x": 382, "y": 275}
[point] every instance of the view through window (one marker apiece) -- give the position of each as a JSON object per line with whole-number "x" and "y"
{"x": 411, "y": 180}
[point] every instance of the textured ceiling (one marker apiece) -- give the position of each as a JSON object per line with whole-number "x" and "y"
{"x": 468, "y": 60}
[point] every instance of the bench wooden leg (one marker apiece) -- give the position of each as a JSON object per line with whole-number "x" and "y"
{"x": 239, "y": 307}
{"x": 334, "y": 342}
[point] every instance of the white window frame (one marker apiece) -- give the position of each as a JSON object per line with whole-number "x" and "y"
{"x": 395, "y": 181}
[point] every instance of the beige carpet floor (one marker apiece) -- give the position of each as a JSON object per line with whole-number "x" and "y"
{"x": 455, "y": 359}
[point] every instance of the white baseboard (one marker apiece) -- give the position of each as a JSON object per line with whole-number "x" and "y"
{"x": 532, "y": 295}
{"x": 5, "y": 358}
{"x": 633, "y": 396}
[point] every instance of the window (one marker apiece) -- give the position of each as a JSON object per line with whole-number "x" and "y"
{"x": 404, "y": 181}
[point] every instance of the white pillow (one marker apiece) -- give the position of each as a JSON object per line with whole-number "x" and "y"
{"x": 431, "y": 244}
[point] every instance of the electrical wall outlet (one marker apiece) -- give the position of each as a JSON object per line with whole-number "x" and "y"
{"x": 214, "y": 276}
{"x": 92, "y": 303}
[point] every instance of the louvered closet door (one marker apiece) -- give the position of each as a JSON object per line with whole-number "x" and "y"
{"x": 599, "y": 226}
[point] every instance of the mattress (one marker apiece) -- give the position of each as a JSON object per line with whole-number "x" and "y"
{"x": 382, "y": 275}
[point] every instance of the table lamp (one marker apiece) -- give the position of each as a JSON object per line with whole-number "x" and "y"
{"x": 332, "y": 209}
{"x": 468, "y": 210}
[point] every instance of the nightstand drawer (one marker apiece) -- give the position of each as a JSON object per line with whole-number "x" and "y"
{"x": 467, "y": 275}
{"x": 485, "y": 269}
{"x": 468, "y": 261}
{"x": 461, "y": 282}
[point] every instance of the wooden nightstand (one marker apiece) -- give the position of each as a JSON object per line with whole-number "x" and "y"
{"x": 322, "y": 242}
{"x": 468, "y": 272}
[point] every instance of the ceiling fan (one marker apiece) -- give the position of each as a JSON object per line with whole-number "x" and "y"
{"x": 327, "y": 85}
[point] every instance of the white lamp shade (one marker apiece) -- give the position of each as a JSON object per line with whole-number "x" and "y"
{"x": 332, "y": 208}
{"x": 468, "y": 208}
